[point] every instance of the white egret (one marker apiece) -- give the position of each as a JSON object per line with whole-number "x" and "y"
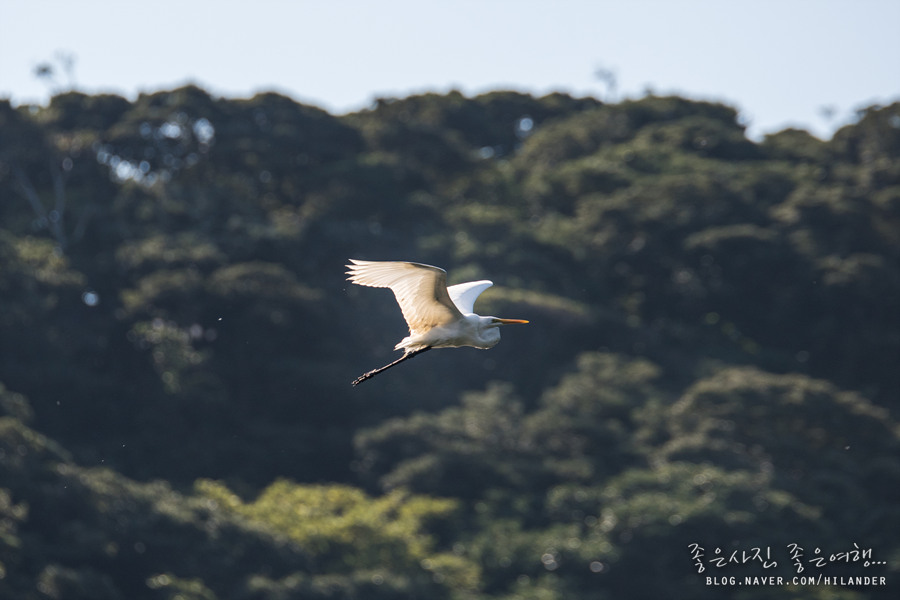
{"x": 438, "y": 316}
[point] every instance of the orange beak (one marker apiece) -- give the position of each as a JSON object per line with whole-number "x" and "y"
{"x": 511, "y": 321}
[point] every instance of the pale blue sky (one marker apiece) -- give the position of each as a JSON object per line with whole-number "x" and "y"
{"x": 779, "y": 62}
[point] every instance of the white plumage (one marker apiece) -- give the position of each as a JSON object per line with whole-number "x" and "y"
{"x": 438, "y": 316}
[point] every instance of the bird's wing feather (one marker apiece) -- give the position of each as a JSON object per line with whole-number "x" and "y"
{"x": 421, "y": 290}
{"x": 465, "y": 294}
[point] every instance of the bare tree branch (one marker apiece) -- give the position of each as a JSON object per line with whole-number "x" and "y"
{"x": 53, "y": 222}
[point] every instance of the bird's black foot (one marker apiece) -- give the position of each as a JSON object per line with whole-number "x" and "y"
{"x": 409, "y": 354}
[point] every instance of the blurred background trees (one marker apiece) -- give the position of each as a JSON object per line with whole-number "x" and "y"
{"x": 712, "y": 355}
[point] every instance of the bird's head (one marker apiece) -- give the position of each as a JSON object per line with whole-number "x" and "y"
{"x": 488, "y": 330}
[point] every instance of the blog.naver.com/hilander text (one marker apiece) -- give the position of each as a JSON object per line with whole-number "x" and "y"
{"x": 826, "y": 580}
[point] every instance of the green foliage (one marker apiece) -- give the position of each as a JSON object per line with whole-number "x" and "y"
{"x": 75, "y": 111}
{"x": 711, "y": 357}
{"x": 623, "y": 471}
{"x": 825, "y": 446}
{"x": 344, "y": 530}
{"x": 170, "y": 348}
{"x": 175, "y": 588}
{"x": 159, "y": 251}
{"x": 462, "y": 451}
{"x": 796, "y": 145}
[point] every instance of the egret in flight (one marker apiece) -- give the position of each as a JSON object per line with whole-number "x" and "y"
{"x": 438, "y": 316}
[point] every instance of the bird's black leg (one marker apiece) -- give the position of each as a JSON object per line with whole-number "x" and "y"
{"x": 409, "y": 354}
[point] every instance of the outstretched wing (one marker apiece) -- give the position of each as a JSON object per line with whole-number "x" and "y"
{"x": 421, "y": 290}
{"x": 465, "y": 294}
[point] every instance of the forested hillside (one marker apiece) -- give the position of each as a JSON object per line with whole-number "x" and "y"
{"x": 712, "y": 357}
